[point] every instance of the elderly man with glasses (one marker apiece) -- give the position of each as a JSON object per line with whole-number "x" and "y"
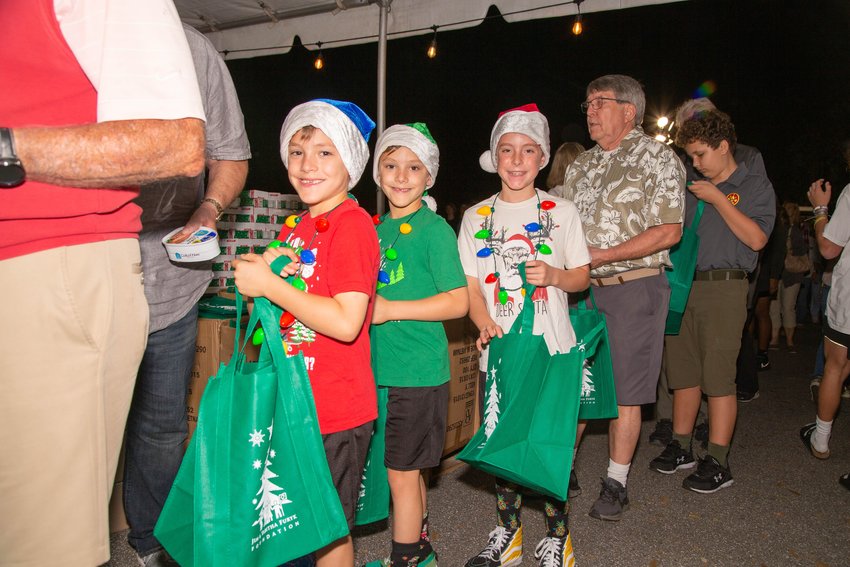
{"x": 629, "y": 190}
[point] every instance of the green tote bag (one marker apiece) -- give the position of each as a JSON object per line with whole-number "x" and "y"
{"x": 373, "y": 502}
{"x": 254, "y": 488}
{"x": 683, "y": 256}
{"x": 598, "y": 394}
{"x": 530, "y": 408}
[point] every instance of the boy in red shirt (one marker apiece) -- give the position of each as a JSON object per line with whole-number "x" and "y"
{"x": 323, "y": 146}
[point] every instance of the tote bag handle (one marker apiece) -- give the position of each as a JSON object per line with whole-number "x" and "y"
{"x": 525, "y": 321}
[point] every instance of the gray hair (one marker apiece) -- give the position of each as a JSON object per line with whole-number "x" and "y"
{"x": 624, "y": 88}
{"x": 689, "y": 108}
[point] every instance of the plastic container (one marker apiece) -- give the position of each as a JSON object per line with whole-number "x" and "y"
{"x": 200, "y": 246}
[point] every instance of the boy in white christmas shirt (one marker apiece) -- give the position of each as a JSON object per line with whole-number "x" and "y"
{"x": 522, "y": 224}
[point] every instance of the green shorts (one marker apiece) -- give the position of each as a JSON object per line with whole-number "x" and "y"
{"x": 705, "y": 352}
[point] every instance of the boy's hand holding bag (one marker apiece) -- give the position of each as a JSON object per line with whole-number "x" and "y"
{"x": 254, "y": 488}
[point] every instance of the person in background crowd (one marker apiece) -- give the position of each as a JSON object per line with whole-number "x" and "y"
{"x": 783, "y": 312}
{"x": 701, "y": 359}
{"x": 564, "y": 156}
{"x": 105, "y": 99}
{"x": 629, "y": 190}
{"x": 156, "y": 426}
{"x": 832, "y": 237}
{"x": 752, "y": 158}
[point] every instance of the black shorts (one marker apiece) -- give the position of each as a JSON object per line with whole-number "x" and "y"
{"x": 837, "y": 337}
{"x": 416, "y": 427}
{"x": 346, "y": 452}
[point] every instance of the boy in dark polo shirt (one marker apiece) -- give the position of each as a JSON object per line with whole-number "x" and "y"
{"x": 738, "y": 217}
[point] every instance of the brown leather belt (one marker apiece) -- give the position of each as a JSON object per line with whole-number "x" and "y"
{"x": 720, "y": 275}
{"x": 624, "y": 277}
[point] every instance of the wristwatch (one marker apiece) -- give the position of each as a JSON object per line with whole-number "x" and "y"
{"x": 12, "y": 172}
{"x": 219, "y": 209}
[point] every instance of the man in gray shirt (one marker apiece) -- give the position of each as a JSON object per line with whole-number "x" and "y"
{"x": 156, "y": 426}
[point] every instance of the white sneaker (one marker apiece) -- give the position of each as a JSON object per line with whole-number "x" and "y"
{"x": 503, "y": 550}
{"x": 555, "y": 552}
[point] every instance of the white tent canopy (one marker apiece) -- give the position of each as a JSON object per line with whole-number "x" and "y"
{"x": 251, "y": 28}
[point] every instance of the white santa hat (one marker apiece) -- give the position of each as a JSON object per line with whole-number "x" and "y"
{"x": 526, "y": 120}
{"x": 417, "y": 138}
{"x": 344, "y": 123}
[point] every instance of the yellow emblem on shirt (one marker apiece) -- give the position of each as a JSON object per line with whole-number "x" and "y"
{"x": 734, "y": 198}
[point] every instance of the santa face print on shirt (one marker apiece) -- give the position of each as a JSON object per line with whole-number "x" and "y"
{"x": 510, "y": 248}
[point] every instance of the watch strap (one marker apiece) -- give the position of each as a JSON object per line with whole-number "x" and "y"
{"x": 219, "y": 208}
{"x": 7, "y": 144}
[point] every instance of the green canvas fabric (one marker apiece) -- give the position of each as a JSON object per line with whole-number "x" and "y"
{"x": 683, "y": 256}
{"x": 373, "y": 502}
{"x": 598, "y": 394}
{"x": 530, "y": 408}
{"x": 254, "y": 488}
{"x": 415, "y": 353}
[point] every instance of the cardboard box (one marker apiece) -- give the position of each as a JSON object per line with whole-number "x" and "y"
{"x": 213, "y": 348}
{"x": 463, "y": 388}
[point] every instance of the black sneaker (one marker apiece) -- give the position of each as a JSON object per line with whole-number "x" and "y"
{"x": 612, "y": 502}
{"x": 844, "y": 481}
{"x": 763, "y": 361}
{"x": 710, "y": 477}
{"x": 574, "y": 489}
{"x": 663, "y": 433}
{"x": 701, "y": 434}
{"x": 746, "y": 397}
{"x": 672, "y": 459}
{"x": 806, "y": 437}
{"x": 503, "y": 550}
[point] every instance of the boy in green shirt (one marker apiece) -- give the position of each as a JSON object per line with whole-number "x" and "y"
{"x": 420, "y": 284}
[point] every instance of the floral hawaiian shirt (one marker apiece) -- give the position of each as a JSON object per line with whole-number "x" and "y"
{"x": 623, "y": 192}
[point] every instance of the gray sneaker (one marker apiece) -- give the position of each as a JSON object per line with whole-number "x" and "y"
{"x": 612, "y": 502}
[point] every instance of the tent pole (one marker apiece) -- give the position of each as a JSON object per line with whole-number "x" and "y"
{"x": 382, "y": 86}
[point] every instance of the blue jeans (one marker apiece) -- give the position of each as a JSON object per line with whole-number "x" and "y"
{"x": 156, "y": 428}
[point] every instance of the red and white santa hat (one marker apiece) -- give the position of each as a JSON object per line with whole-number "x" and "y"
{"x": 526, "y": 119}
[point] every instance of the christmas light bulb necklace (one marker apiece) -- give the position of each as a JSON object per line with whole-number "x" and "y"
{"x": 390, "y": 253}
{"x": 305, "y": 254}
{"x": 534, "y": 230}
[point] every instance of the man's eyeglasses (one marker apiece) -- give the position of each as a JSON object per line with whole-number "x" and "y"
{"x": 597, "y": 103}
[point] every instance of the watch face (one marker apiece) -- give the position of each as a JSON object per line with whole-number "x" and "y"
{"x": 11, "y": 174}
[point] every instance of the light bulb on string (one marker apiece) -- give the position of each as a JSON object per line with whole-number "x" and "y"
{"x": 319, "y": 62}
{"x": 578, "y": 26}
{"x": 432, "y": 47}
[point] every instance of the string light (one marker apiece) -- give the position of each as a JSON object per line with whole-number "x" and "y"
{"x": 432, "y": 48}
{"x": 578, "y": 27}
{"x": 319, "y": 63}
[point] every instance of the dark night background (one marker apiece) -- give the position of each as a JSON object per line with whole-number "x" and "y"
{"x": 781, "y": 69}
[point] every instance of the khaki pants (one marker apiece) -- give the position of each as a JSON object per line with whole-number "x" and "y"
{"x": 75, "y": 324}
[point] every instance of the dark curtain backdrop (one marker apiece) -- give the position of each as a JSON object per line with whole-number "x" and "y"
{"x": 781, "y": 69}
